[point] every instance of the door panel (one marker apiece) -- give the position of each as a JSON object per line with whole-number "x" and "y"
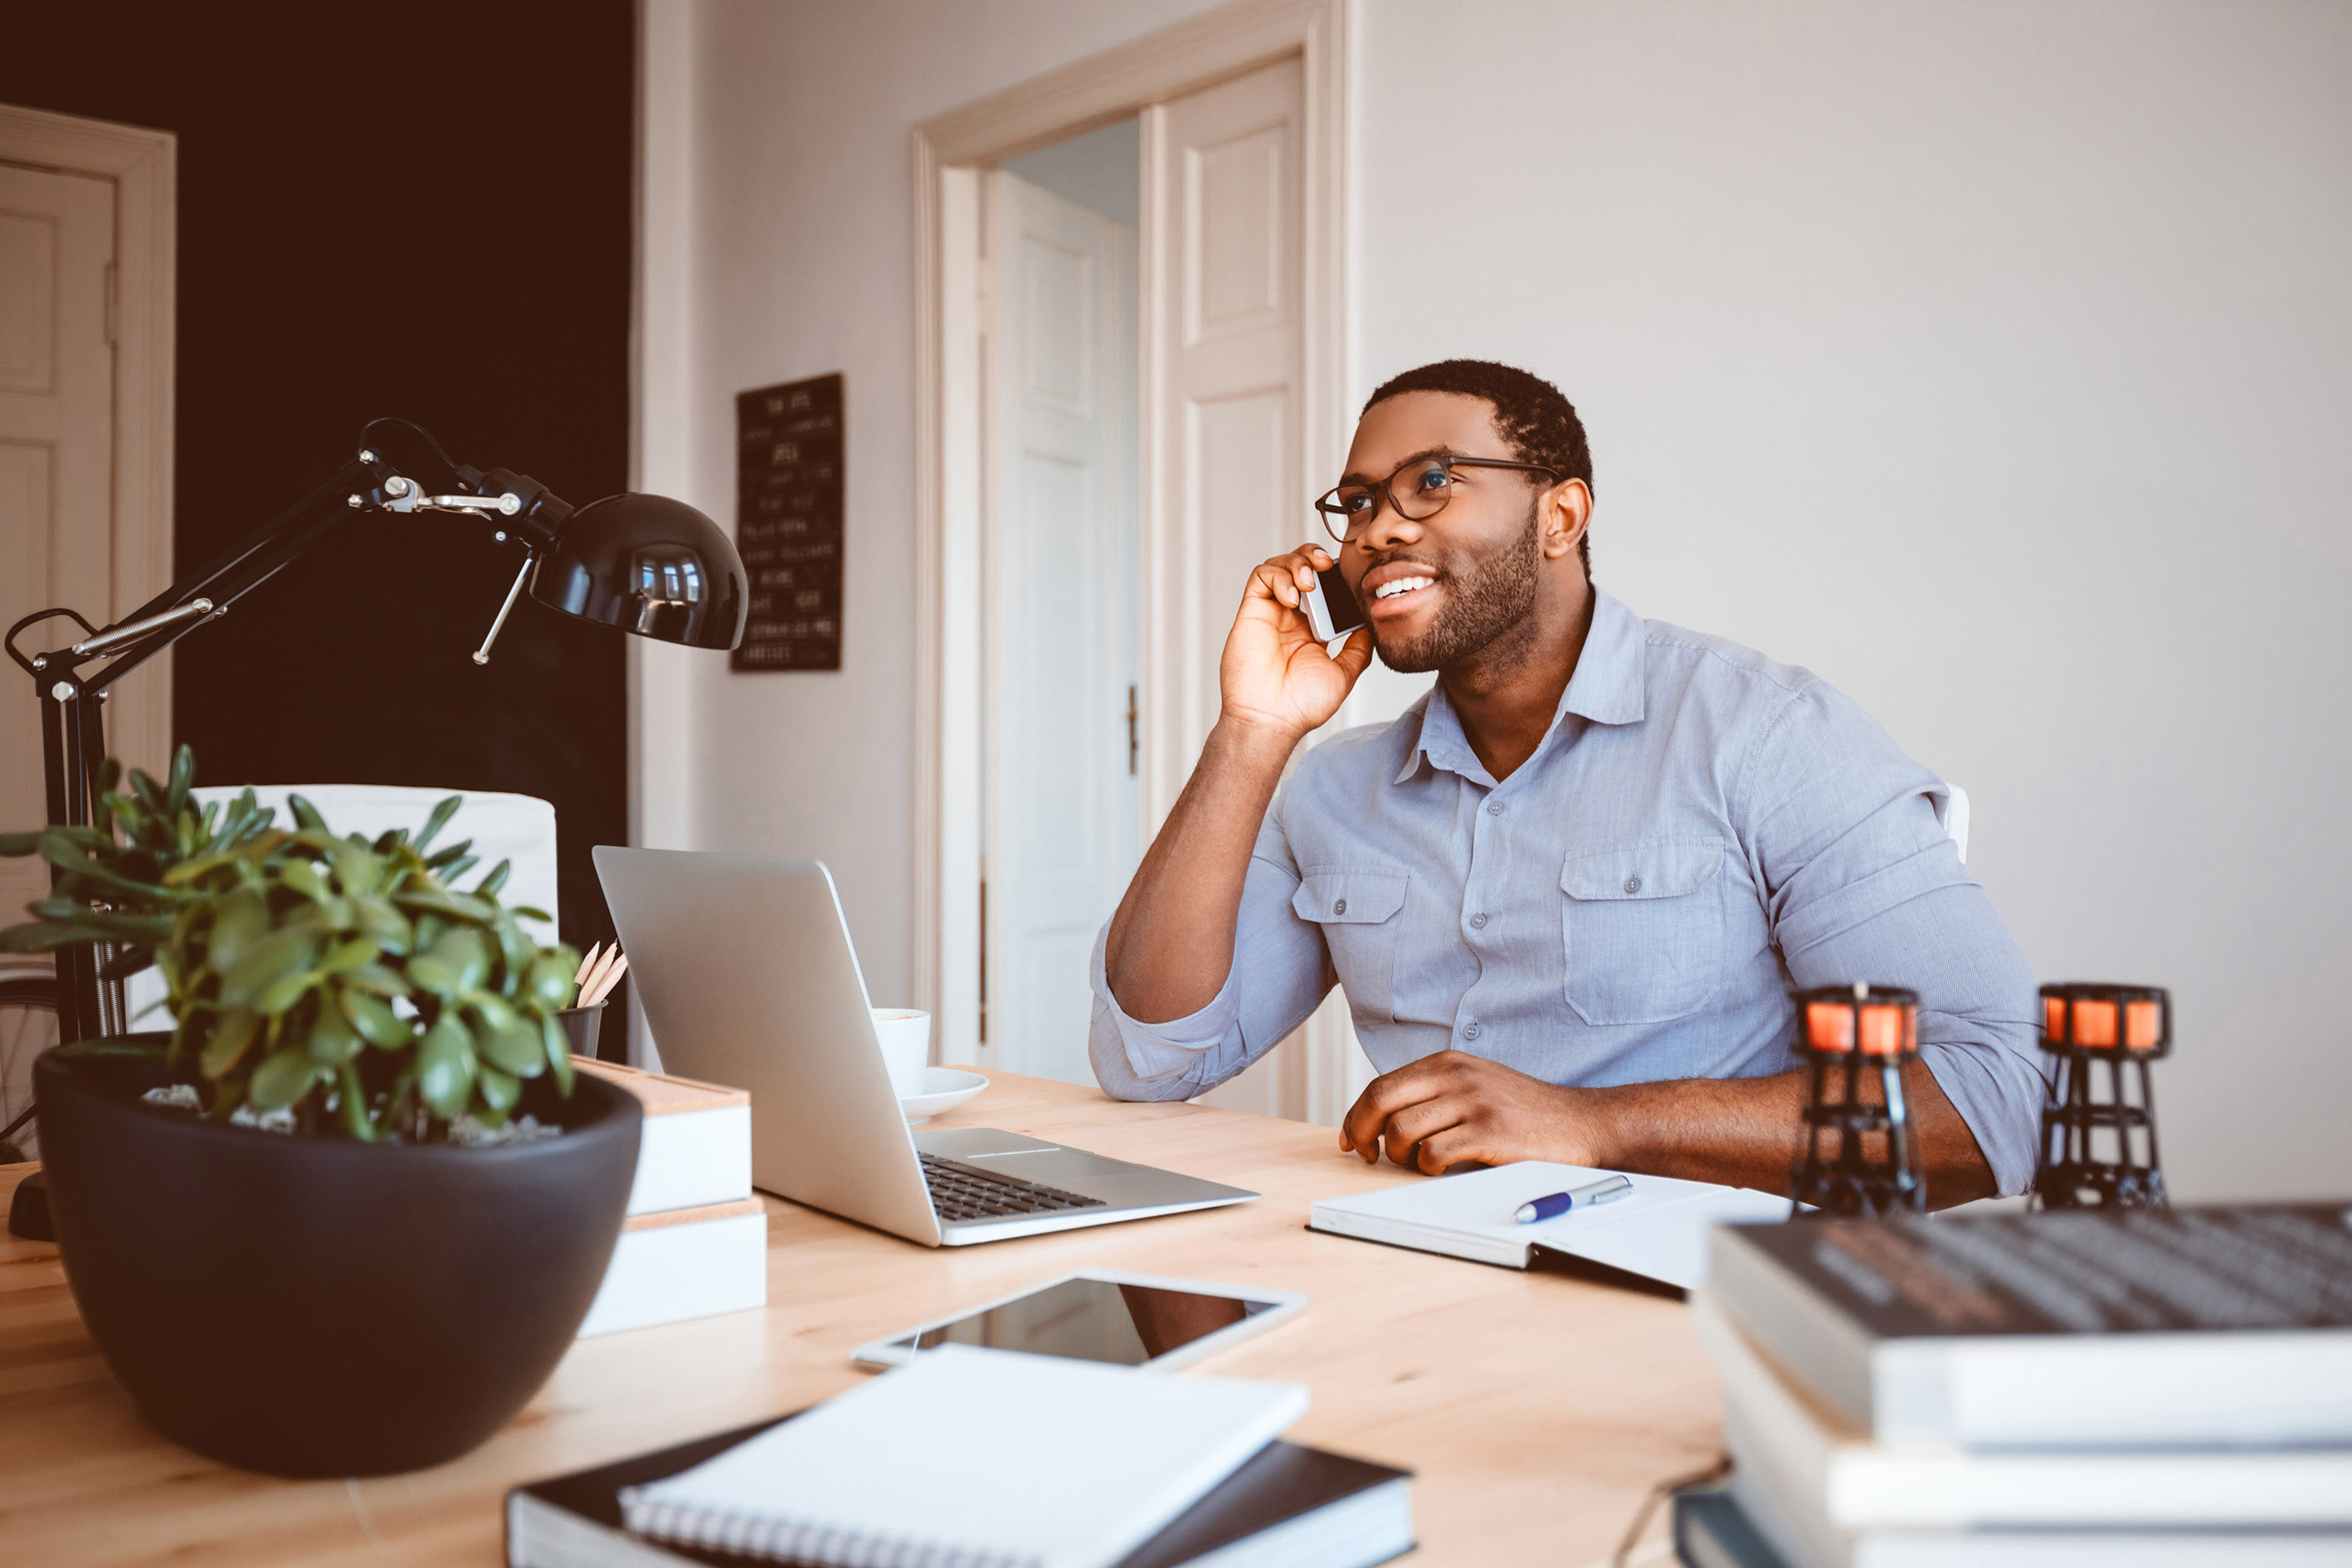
{"x": 56, "y": 391}
{"x": 1060, "y": 559}
{"x": 1226, "y": 227}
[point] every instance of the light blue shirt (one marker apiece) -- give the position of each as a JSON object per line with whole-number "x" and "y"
{"x": 1701, "y": 830}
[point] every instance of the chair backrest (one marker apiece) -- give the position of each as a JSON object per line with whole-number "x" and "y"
{"x": 518, "y": 828}
{"x": 1953, "y": 814}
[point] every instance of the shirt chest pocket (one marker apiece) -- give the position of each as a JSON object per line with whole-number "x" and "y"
{"x": 1645, "y": 928}
{"x": 1360, "y": 909}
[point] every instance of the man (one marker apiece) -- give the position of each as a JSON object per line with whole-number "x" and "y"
{"x": 1568, "y": 891}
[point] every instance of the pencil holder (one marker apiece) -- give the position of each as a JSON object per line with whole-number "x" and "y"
{"x": 1860, "y": 1155}
{"x": 2099, "y": 1137}
{"x": 582, "y": 1025}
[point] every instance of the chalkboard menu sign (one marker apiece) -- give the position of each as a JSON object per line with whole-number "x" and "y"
{"x": 788, "y": 523}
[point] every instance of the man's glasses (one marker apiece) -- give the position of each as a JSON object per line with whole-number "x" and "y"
{"x": 1429, "y": 484}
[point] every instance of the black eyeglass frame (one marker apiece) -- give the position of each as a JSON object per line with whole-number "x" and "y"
{"x": 1323, "y": 504}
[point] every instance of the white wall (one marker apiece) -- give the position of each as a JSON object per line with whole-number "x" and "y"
{"x": 1993, "y": 360}
{"x": 781, "y": 133}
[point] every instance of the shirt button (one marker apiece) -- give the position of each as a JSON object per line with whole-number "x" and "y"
{"x": 1478, "y": 922}
{"x": 1494, "y": 808}
{"x": 1340, "y": 908}
{"x": 1470, "y": 1030}
{"x": 1633, "y": 885}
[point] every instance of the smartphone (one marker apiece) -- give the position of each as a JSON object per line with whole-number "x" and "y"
{"x": 1330, "y": 609}
{"x": 1101, "y": 1314}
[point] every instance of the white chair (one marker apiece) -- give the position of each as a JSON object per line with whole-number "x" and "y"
{"x": 518, "y": 828}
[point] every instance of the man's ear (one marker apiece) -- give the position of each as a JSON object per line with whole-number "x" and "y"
{"x": 1564, "y": 512}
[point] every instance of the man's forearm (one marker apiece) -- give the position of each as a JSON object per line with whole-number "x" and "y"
{"x": 1747, "y": 1131}
{"x": 1171, "y": 941}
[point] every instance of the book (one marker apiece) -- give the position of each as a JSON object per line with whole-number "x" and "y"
{"x": 1288, "y": 1505}
{"x": 696, "y": 1146}
{"x": 1657, "y": 1233}
{"x": 984, "y": 1459}
{"x": 1833, "y": 1470}
{"x": 683, "y": 1263}
{"x": 2201, "y": 1328}
{"x": 1771, "y": 1500}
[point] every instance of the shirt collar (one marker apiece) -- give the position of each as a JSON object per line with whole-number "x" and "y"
{"x": 1608, "y": 687}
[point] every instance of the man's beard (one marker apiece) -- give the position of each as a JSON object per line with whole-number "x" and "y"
{"x": 1493, "y": 599}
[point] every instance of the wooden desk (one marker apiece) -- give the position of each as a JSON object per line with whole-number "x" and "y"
{"x": 1538, "y": 1409}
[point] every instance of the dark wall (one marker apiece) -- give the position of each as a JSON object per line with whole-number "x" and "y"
{"x": 423, "y": 210}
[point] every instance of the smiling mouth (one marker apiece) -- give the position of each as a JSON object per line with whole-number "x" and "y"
{"x": 1399, "y": 596}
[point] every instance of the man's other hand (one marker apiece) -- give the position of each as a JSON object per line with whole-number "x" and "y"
{"x": 1275, "y": 677}
{"x": 1452, "y": 1107}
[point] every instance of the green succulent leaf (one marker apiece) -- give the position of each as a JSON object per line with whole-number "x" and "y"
{"x": 263, "y": 963}
{"x": 354, "y": 1106}
{"x": 306, "y": 816}
{"x": 333, "y": 1041}
{"x": 499, "y": 1091}
{"x": 551, "y": 982}
{"x": 446, "y": 1067}
{"x": 279, "y": 996}
{"x": 184, "y": 779}
{"x": 280, "y": 1080}
{"x": 447, "y": 855}
{"x": 490, "y": 1008}
{"x": 302, "y": 876}
{"x": 377, "y": 979}
{"x": 442, "y": 812}
{"x": 514, "y": 1047}
{"x": 376, "y": 917}
{"x": 432, "y": 900}
{"x": 346, "y": 956}
{"x": 488, "y": 886}
{"x": 558, "y": 1052}
{"x": 232, "y": 1032}
{"x": 377, "y": 1024}
{"x": 359, "y": 870}
{"x": 466, "y": 952}
{"x": 241, "y": 918}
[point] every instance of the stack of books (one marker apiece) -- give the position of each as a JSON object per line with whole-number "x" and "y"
{"x": 696, "y": 1241}
{"x": 2149, "y": 1387}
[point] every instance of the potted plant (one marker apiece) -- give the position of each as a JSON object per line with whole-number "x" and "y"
{"x": 347, "y": 1213}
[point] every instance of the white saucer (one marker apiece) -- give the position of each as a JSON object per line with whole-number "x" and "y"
{"x": 944, "y": 1088}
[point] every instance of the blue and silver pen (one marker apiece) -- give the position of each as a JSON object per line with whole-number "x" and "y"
{"x": 1553, "y": 1205}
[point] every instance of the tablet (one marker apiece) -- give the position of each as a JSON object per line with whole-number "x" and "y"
{"x": 1147, "y": 1320}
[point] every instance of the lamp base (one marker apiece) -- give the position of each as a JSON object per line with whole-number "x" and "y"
{"x": 28, "y": 1213}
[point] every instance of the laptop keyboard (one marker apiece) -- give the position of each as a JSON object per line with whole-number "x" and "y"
{"x": 966, "y": 1192}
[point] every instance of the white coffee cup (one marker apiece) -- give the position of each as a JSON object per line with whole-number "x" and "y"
{"x": 906, "y": 1037}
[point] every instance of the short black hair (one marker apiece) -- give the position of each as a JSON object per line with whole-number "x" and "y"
{"x": 1530, "y": 415}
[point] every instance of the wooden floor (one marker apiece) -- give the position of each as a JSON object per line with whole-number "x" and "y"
{"x": 1538, "y": 1410}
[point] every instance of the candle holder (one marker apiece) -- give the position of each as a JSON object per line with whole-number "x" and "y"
{"x": 2098, "y": 1139}
{"x": 1860, "y": 1155}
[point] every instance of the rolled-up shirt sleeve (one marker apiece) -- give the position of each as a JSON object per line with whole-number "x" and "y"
{"x": 1862, "y": 884}
{"x": 1279, "y": 973}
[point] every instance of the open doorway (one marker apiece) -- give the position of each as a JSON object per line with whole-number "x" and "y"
{"x": 1061, "y": 787}
{"x": 1025, "y": 739}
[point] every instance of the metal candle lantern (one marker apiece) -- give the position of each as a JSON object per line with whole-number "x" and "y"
{"x": 2098, "y": 1141}
{"x": 1860, "y": 1155}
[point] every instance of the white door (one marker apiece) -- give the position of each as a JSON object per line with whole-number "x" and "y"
{"x": 1060, "y": 557}
{"x": 57, "y": 454}
{"x": 1224, "y": 190}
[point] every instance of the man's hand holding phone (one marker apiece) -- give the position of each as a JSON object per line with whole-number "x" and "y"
{"x": 1277, "y": 674}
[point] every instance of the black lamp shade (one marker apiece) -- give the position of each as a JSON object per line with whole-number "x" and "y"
{"x": 650, "y": 565}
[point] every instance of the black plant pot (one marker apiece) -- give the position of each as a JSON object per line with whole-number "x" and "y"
{"x": 314, "y": 1307}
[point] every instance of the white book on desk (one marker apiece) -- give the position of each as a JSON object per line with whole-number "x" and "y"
{"x": 683, "y": 1263}
{"x": 1657, "y": 1231}
{"x": 695, "y": 1146}
{"x": 978, "y": 1457}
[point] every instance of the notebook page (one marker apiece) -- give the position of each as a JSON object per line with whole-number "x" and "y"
{"x": 1658, "y": 1230}
{"x": 1005, "y": 1458}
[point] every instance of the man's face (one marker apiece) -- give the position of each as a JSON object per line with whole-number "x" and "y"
{"x": 1440, "y": 590}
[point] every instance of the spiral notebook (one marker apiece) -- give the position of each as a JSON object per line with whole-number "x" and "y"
{"x": 979, "y": 1458}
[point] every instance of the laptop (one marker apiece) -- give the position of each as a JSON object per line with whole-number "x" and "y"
{"x": 748, "y": 977}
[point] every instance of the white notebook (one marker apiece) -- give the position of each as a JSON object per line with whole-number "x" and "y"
{"x": 974, "y": 1458}
{"x": 1658, "y": 1230}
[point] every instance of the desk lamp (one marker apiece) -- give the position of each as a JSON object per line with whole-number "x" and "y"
{"x": 640, "y": 563}
{"x": 2098, "y": 1143}
{"x": 1856, "y": 1039}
